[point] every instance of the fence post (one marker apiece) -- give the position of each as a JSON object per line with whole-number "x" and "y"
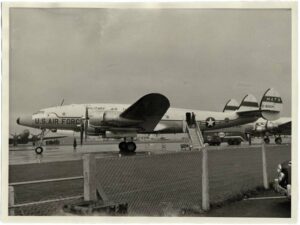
{"x": 11, "y": 200}
{"x": 89, "y": 175}
{"x": 264, "y": 165}
{"x": 205, "y": 181}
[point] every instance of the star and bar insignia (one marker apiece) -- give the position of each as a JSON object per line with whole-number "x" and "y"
{"x": 210, "y": 122}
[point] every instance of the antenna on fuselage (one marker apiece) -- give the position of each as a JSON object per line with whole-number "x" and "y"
{"x": 62, "y": 102}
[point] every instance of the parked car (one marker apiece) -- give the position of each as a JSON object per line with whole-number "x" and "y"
{"x": 282, "y": 183}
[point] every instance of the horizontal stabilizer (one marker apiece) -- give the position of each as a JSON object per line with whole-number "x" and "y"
{"x": 231, "y": 105}
{"x": 271, "y": 105}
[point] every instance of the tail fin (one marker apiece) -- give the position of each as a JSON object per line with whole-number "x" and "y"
{"x": 249, "y": 103}
{"x": 271, "y": 105}
{"x": 231, "y": 105}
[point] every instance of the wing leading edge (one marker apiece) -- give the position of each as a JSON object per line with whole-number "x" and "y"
{"x": 149, "y": 109}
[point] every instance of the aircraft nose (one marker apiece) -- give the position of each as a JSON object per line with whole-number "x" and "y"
{"x": 25, "y": 120}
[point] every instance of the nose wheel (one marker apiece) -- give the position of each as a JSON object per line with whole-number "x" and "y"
{"x": 39, "y": 150}
{"x": 127, "y": 147}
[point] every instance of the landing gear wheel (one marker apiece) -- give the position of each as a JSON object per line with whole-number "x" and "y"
{"x": 278, "y": 140}
{"x": 39, "y": 150}
{"x": 237, "y": 142}
{"x": 123, "y": 146}
{"x": 131, "y": 146}
{"x": 267, "y": 140}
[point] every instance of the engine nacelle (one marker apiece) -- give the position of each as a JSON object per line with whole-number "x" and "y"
{"x": 270, "y": 125}
{"x": 113, "y": 118}
{"x": 109, "y": 134}
{"x": 260, "y": 128}
{"x": 95, "y": 119}
{"x": 109, "y": 118}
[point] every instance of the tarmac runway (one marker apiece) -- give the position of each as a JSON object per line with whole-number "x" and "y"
{"x": 160, "y": 184}
{"x": 25, "y": 154}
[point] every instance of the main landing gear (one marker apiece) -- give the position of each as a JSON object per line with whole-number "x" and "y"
{"x": 267, "y": 140}
{"x": 278, "y": 140}
{"x": 39, "y": 149}
{"x": 127, "y": 147}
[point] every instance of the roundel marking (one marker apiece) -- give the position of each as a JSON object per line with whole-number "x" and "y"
{"x": 210, "y": 122}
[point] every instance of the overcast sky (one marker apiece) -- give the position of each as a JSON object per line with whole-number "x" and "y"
{"x": 198, "y": 58}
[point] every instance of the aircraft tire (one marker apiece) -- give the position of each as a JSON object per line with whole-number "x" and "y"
{"x": 267, "y": 140}
{"x": 39, "y": 150}
{"x": 237, "y": 142}
{"x": 123, "y": 146}
{"x": 278, "y": 140}
{"x": 131, "y": 146}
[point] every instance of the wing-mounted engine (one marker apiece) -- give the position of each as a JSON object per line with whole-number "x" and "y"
{"x": 271, "y": 126}
{"x": 267, "y": 126}
{"x": 114, "y": 118}
{"x": 99, "y": 119}
{"x": 95, "y": 117}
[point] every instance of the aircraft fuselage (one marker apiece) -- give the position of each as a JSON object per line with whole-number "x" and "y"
{"x": 69, "y": 117}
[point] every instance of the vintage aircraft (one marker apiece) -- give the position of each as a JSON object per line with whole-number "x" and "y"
{"x": 25, "y": 137}
{"x": 260, "y": 128}
{"x": 150, "y": 114}
{"x": 265, "y": 128}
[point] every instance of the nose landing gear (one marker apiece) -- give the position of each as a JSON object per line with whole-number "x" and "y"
{"x": 39, "y": 149}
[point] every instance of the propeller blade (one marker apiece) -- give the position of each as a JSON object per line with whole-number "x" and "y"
{"x": 86, "y": 122}
{"x": 81, "y": 132}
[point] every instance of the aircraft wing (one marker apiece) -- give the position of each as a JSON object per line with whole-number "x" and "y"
{"x": 53, "y": 137}
{"x": 33, "y": 139}
{"x": 285, "y": 128}
{"x": 149, "y": 109}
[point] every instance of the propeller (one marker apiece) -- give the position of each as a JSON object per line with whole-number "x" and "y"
{"x": 86, "y": 122}
{"x": 84, "y": 126}
{"x": 81, "y": 131}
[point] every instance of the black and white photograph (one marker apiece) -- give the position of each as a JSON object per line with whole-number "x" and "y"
{"x": 149, "y": 111}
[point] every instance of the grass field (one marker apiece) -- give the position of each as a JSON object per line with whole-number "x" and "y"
{"x": 153, "y": 185}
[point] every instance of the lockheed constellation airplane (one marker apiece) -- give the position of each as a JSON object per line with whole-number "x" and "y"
{"x": 150, "y": 114}
{"x": 262, "y": 127}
